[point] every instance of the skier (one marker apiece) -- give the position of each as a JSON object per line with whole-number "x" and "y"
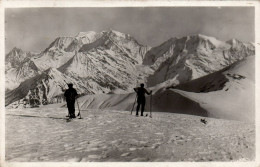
{"x": 141, "y": 91}
{"x": 71, "y": 95}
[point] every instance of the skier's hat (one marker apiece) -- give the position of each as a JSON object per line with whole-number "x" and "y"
{"x": 142, "y": 85}
{"x": 70, "y": 84}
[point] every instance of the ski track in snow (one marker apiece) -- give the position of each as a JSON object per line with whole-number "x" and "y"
{"x": 43, "y": 134}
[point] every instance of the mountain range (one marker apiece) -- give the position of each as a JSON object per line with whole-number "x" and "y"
{"x": 112, "y": 62}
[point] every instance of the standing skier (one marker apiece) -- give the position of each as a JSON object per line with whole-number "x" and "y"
{"x": 71, "y": 95}
{"x": 141, "y": 91}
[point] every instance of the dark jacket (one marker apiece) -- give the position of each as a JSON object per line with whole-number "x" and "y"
{"x": 70, "y": 94}
{"x": 141, "y": 94}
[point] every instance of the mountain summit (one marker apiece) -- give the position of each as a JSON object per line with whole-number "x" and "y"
{"x": 180, "y": 60}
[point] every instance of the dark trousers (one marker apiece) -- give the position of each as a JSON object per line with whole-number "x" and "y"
{"x": 71, "y": 108}
{"x": 142, "y": 104}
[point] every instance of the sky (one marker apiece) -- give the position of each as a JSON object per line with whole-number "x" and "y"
{"x": 33, "y": 29}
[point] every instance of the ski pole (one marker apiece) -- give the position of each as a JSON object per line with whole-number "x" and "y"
{"x": 79, "y": 110}
{"x": 63, "y": 90}
{"x": 134, "y": 104}
{"x": 151, "y": 105}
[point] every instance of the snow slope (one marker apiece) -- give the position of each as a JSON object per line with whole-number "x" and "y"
{"x": 106, "y": 64}
{"x": 162, "y": 101}
{"x": 116, "y": 136}
{"x": 229, "y": 93}
{"x": 62, "y": 49}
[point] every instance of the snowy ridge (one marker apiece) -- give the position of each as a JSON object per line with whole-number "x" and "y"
{"x": 63, "y": 49}
{"x": 102, "y": 67}
{"x": 89, "y": 34}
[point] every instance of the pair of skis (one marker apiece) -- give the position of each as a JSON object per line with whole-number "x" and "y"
{"x": 78, "y": 115}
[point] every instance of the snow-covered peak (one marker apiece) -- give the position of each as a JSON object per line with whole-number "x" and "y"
{"x": 191, "y": 57}
{"x": 212, "y": 40}
{"x": 190, "y": 44}
{"x": 88, "y": 33}
{"x": 119, "y": 34}
{"x": 15, "y": 49}
{"x": 51, "y": 70}
{"x": 114, "y": 33}
{"x": 60, "y": 43}
{"x": 233, "y": 42}
{"x": 207, "y": 37}
{"x": 15, "y": 52}
{"x": 238, "y": 45}
{"x": 251, "y": 43}
{"x": 17, "y": 56}
{"x": 71, "y": 44}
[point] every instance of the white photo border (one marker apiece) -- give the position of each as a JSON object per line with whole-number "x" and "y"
{"x": 110, "y": 3}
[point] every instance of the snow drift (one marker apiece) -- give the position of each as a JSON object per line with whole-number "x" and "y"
{"x": 162, "y": 101}
{"x": 228, "y": 93}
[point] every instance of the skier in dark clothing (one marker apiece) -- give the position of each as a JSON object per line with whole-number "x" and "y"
{"x": 141, "y": 91}
{"x": 71, "y": 95}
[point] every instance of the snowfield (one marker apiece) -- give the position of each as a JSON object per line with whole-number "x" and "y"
{"x": 43, "y": 134}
